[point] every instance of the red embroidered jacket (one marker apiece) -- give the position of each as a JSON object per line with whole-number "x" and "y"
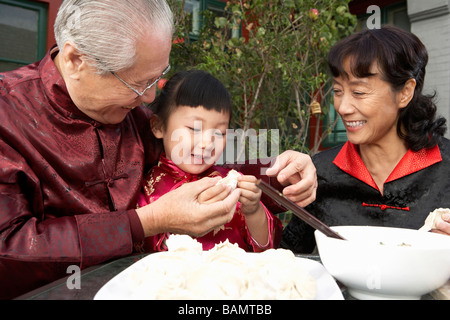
{"x": 166, "y": 176}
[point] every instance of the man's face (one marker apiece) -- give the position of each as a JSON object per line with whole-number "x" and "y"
{"x": 106, "y": 99}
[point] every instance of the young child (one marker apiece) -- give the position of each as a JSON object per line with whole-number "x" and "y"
{"x": 191, "y": 116}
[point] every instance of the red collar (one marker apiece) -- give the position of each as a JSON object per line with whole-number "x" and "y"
{"x": 54, "y": 84}
{"x": 350, "y": 162}
{"x": 170, "y": 167}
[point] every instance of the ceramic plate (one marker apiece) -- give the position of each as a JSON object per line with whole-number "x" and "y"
{"x": 121, "y": 288}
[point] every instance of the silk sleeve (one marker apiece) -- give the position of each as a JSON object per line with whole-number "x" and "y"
{"x": 36, "y": 249}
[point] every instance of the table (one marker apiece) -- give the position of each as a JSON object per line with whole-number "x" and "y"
{"x": 92, "y": 279}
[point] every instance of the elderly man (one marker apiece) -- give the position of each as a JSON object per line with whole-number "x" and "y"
{"x": 75, "y": 143}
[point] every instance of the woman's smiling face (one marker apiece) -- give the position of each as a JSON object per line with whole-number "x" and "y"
{"x": 368, "y": 106}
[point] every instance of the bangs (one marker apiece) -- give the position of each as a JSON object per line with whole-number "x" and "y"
{"x": 199, "y": 88}
{"x": 363, "y": 52}
{"x": 192, "y": 88}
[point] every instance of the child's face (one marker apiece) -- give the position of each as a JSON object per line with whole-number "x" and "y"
{"x": 194, "y": 138}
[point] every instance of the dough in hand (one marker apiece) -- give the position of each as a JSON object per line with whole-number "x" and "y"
{"x": 230, "y": 179}
{"x": 433, "y": 218}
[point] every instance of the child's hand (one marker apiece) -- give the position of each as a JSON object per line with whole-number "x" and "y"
{"x": 250, "y": 195}
{"x": 214, "y": 194}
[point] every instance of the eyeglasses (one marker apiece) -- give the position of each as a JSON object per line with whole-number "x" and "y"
{"x": 140, "y": 94}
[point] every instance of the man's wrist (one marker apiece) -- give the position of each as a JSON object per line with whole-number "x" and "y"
{"x": 149, "y": 220}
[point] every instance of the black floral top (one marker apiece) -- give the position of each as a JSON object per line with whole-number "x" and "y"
{"x": 348, "y": 195}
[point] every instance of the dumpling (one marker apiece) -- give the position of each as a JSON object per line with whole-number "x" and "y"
{"x": 230, "y": 179}
{"x": 433, "y": 218}
{"x": 181, "y": 242}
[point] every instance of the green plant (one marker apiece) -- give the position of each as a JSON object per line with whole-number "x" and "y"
{"x": 275, "y": 69}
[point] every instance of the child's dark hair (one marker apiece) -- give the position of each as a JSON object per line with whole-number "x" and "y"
{"x": 191, "y": 88}
{"x": 400, "y": 56}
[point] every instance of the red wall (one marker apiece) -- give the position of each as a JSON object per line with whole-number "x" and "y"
{"x": 53, "y": 6}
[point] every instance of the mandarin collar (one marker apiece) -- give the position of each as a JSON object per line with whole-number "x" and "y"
{"x": 175, "y": 172}
{"x": 350, "y": 162}
{"x": 169, "y": 166}
{"x": 56, "y": 89}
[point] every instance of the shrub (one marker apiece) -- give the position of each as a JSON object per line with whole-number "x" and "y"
{"x": 271, "y": 55}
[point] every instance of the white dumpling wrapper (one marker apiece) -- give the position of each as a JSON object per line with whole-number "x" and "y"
{"x": 182, "y": 242}
{"x": 226, "y": 272}
{"x": 230, "y": 179}
{"x": 433, "y": 218}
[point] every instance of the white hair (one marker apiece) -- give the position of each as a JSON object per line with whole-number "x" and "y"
{"x": 106, "y": 31}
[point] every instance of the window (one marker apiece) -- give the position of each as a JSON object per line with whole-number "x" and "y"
{"x": 23, "y": 33}
{"x": 218, "y": 7}
{"x": 339, "y": 134}
{"x": 196, "y": 7}
{"x": 193, "y": 8}
{"x": 398, "y": 16}
{"x": 395, "y": 14}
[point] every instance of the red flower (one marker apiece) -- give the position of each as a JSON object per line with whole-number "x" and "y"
{"x": 314, "y": 14}
{"x": 178, "y": 40}
{"x": 161, "y": 83}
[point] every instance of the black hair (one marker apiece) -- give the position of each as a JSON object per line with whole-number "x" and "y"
{"x": 191, "y": 88}
{"x": 401, "y": 56}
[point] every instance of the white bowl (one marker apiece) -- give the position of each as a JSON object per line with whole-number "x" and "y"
{"x": 386, "y": 263}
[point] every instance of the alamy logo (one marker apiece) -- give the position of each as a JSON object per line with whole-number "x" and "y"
{"x": 74, "y": 281}
{"x": 214, "y": 147}
{"x": 374, "y": 21}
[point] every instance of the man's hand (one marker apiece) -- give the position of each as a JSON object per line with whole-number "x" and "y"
{"x": 215, "y": 193}
{"x": 180, "y": 212}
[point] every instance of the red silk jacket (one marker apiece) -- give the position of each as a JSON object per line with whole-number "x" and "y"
{"x": 68, "y": 184}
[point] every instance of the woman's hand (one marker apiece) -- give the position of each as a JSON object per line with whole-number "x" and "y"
{"x": 179, "y": 211}
{"x": 297, "y": 172}
{"x": 443, "y": 226}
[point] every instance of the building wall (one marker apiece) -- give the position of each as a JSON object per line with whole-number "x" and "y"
{"x": 53, "y": 6}
{"x": 430, "y": 21}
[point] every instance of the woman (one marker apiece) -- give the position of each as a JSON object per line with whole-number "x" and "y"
{"x": 394, "y": 169}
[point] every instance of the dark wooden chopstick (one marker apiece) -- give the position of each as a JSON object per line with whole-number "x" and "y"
{"x": 297, "y": 210}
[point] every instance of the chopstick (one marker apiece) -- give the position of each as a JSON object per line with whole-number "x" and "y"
{"x": 297, "y": 210}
